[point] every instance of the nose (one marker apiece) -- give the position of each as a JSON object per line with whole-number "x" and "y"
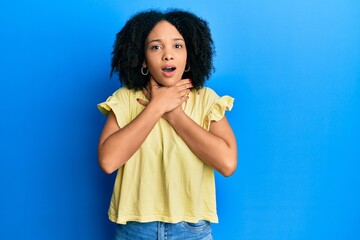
{"x": 168, "y": 55}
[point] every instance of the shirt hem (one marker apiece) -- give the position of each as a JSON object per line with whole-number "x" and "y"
{"x": 161, "y": 218}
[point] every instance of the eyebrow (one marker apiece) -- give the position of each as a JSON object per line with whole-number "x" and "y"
{"x": 158, "y": 40}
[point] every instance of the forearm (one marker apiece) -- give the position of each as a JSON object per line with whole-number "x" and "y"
{"x": 118, "y": 147}
{"x": 215, "y": 151}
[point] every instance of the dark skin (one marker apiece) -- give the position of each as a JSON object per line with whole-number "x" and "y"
{"x": 165, "y": 93}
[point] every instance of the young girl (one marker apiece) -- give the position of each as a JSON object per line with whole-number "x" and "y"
{"x": 165, "y": 132}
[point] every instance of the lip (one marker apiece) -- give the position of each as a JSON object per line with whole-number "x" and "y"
{"x": 168, "y": 74}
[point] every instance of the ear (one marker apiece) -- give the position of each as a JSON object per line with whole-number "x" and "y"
{"x": 144, "y": 64}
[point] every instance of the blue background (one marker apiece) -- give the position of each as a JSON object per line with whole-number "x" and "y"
{"x": 292, "y": 66}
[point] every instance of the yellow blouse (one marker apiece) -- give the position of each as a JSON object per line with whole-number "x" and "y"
{"x": 163, "y": 180}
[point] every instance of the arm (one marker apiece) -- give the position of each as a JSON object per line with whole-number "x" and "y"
{"x": 117, "y": 145}
{"x": 216, "y": 147}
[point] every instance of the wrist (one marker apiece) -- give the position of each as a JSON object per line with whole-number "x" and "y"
{"x": 155, "y": 109}
{"x": 173, "y": 115}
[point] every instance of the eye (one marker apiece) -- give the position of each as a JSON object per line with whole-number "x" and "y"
{"x": 178, "y": 46}
{"x": 155, "y": 47}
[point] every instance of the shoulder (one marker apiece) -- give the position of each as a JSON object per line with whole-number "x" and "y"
{"x": 123, "y": 92}
{"x": 124, "y": 95}
{"x": 208, "y": 98}
{"x": 207, "y": 92}
{"x": 206, "y": 95}
{"x": 118, "y": 100}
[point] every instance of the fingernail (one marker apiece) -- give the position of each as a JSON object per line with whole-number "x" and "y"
{"x": 190, "y": 79}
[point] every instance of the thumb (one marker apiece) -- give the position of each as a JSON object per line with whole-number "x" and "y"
{"x": 142, "y": 102}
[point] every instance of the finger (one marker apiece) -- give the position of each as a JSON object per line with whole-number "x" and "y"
{"x": 146, "y": 93}
{"x": 183, "y": 81}
{"x": 142, "y": 102}
{"x": 186, "y": 92}
{"x": 184, "y": 99}
{"x": 186, "y": 84}
{"x": 186, "y": 87}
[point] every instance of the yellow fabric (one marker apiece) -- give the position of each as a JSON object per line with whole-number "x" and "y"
{"x": 164, "y": 180}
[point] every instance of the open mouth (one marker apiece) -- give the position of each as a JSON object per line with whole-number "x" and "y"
{"x": 169, "y": 69}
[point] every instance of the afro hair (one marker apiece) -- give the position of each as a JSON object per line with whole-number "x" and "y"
{"x": 129, "y": 47}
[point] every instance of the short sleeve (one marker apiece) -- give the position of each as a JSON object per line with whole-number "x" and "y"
{"x": 118, "y": 103}
{"x": 105, "y": 107}
{"x": 217, "y": 110}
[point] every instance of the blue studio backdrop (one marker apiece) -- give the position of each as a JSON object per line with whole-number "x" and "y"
{"x": 293, "y": 68}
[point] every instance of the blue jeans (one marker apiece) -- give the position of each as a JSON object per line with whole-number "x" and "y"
{"x": 164, "y": 231}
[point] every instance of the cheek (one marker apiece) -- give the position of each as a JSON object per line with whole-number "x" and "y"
{"x": 152, "y": 67}
{"x": 150, "y": 58}
{"x": 185, "y": 57}
{"x": 150, "y": 61}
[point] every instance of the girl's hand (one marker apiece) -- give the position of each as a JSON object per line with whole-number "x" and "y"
{"x": 166, "y": 98}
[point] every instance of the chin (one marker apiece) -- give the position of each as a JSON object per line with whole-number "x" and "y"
{"x": 167, "y": 82}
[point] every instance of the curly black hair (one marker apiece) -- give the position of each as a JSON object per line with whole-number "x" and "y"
{"x": 129, "y": 47}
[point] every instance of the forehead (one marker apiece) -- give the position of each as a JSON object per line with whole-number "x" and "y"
{"x": 164, "y": 30}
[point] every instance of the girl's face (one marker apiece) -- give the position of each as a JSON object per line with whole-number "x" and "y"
{"x": 165, "y": 54}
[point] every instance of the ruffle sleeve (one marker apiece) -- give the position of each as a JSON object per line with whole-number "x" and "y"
{"x": 105, "y": 107}
{"x": 118, "y": 103}
{"x": 217, "y": 110}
